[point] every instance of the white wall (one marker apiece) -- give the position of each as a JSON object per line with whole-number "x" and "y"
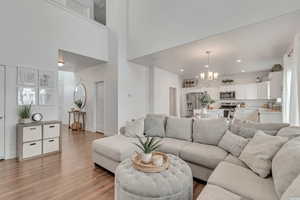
{"x": 33, "y": 31}
{"x": 156, "y": 25}
{"x": 66, "y": 85}
{"x": 162, "y": 80}
{"x": 11, "y": 118}
{"x": 136, "y": 106}
{"x": 31, "y": 34}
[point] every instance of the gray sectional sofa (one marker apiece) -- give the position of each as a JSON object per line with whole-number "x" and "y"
{"x": 196, "y": 142}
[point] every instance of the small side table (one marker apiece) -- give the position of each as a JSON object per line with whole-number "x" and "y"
{"x": 78, "y": 117}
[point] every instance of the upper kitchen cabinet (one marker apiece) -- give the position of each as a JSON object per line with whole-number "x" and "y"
{"x": 263, "y": 90}
{"x": 276, "y": 85}
{"x": 251, "y": 91}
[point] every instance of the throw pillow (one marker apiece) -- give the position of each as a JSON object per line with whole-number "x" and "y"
{"x": 248, "y": 128}
{"x": 259, "y": 152}
{"x": 286, "y": 165}
{"x": 233, "y": 143}
{"x": 247, "y": 132}
{"x": 155, "y": 125}
{"x": 134, "y": 128}
{"x": 289, "y": 132}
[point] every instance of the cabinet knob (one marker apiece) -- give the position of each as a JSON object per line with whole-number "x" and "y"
{"x": 1, "y": 117}
{"x": 32, "y": 144}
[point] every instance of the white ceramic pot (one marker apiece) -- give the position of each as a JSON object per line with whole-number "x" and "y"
{"x": 146, "y": 157}
{"x": 25, "y": 121}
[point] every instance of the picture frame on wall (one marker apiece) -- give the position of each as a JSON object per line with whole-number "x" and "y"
{"x": 27, "y": 76}
{"x": 47, "y": 96}
{"x": 47, "y": 79}
{"x": 26, "y": 95}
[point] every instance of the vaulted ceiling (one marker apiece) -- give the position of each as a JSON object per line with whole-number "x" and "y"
{"x": 258, "y": 46}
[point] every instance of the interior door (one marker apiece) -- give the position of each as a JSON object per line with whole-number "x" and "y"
{"x": 172, "y": 101}
{"x": 2, "y": 90}
{"x": 100, "y": 107}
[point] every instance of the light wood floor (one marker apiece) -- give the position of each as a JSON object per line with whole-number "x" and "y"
{"x": 69, "y": 175}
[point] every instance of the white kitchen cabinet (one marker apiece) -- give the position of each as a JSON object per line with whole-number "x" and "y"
{"x": 240, "y": 91}
{"x": 276, "y": 84}
{"x": 251, "y": 91}
{"x": 263, "y": 90}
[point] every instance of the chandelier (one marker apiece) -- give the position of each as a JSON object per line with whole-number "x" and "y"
{"x": 209, "y": 75}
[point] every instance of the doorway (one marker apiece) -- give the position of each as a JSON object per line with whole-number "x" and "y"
{"x": 2, "y": 101}
{"x": 100, "y": 107}
{"x": 172, "y": 101}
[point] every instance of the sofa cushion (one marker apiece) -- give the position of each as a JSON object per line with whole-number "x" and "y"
{"x": 252, "y": 127}
{"x": 179, "y": 128}
{"x": 172, "y": 146}
{"x": 293, "y": 190}
{"x": 243, "y": 182}
{"x": 117, "y": 147}
{"x": 209, "y": 131}
{"x": 286, "y": 165}
{"x": 154, "y": 125}
{"x": 259, "y": 152}
{"x": 202, "y": 154}
{"x": 247, "y": 132}
{"x": 233, "y": 143}
{"x": 213, "y": 192}
{"x": 289, "y": 132}
{"x": 134, "y": 128}
{"x": 235, "y": 160}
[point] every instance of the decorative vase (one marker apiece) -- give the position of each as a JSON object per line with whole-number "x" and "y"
{"x": 25, "y": 121}
{"x": 146, "y": 157}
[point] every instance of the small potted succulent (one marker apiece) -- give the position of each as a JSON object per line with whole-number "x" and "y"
{"x": 24, "y": 113}
{"x": 148, "y": 147}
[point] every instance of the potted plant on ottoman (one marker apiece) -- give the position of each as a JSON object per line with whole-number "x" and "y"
{"x": 150, "y": 145}
{"x": 24, "y": 113}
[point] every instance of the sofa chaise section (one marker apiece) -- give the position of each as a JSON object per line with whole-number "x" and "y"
{"x": 108, "y": 152}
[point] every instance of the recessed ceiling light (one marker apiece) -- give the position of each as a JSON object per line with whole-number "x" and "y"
{"x": 243, "y": 71}
{"x": 61, "y": 63}
{"x": 182, "y": 70}
{"x": 206, "y": 66}
{"x": 239, "y": 60}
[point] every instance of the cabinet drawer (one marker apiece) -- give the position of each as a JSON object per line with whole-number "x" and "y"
{"x": 51, "y": 130}
{"x": 50, "y": 145}
{"x": 31, "y": 149}
{"x": 32, "y": 133}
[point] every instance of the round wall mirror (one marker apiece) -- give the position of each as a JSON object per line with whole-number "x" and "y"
{"x": 79, "y": 97}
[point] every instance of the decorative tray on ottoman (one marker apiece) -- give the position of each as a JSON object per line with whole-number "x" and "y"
{"x": 138, "y": 164}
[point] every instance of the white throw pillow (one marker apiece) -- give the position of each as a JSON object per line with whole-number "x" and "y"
{"x": 259, "y": 152}
{"x": 134, "y": 128}
{"x": 233, "y": 143}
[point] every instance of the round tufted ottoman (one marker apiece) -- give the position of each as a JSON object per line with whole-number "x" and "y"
{"x": 176, "y": 183}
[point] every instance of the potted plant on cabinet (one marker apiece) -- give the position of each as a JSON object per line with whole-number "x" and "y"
{"x": 24, "y": 113}
{"x": 148, "y": 147}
